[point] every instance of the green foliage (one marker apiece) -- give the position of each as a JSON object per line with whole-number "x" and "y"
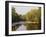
{"x": 15, "y": 16}
{"x": 34, "y": 16}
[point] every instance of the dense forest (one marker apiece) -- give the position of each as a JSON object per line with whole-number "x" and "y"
{"x": 34, "y": 16}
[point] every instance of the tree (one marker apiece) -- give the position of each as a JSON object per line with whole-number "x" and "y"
{"x": 15, "y": 16}
{"x": 34, "y": 16}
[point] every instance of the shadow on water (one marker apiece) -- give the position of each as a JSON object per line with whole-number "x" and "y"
{"x": 15, "y": 27}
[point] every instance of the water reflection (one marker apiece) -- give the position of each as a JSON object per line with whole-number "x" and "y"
{"x": 26, "y": 26}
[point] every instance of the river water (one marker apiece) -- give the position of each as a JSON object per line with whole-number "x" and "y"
{"x": 21, "y": 28}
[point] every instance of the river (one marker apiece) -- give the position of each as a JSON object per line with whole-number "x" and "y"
{"x": 21, "y": 25}
{"x": 21, "y": 28}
